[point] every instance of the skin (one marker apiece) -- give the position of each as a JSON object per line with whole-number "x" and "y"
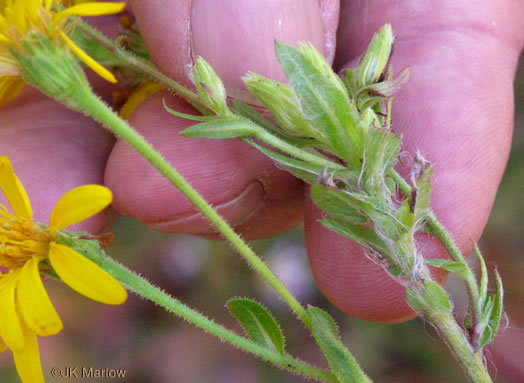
{"x": 457, "y": 110}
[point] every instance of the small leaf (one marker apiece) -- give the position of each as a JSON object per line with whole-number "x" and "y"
{"x": 421, "y": 195}
{"x": 388, "y": 88}
{"x": 427, "y": 295}
{"x": 303, "y": 170}
{"x": 342, "y": 363}
{"x": 490, "y": 332}
{"x": 483, "y": 283}
{"x": 251, "y": 114}
{"x": 323, "y": 99}
{"x": 334, "y": 203}
{"x": 258, "y": 323}
{"x": 457, "y": 268}
{"x": 363, "y": 235}
{"x": 222, "y": 128}
{"x": 404, "y": 215}
{"x": 381, "y": 150}
{"x": 185, "y": 115}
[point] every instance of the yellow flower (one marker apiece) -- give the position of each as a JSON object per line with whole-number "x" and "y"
{"x": 139, "y": 95}
{"x": 25, "y": 248}
{"x": 21, "y": 19}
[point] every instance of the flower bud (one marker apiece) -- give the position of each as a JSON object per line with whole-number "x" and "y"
{"x": 52, "y": 69}
{"x": 281, "y": 101}
{"x": 210, "y": 88}
{"x": 375, "y": 61}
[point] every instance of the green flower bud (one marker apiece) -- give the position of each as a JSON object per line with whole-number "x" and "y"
{"x": 281, "y": 101}
{"x": 52, "y": 69}
{"x": 375, "y": 61}
{"x": 210, "y": 88}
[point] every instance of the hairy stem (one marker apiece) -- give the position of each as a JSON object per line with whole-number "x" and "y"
{"x": 144, "y": 289}
{"x": 454, "y": 336}
{"x": 97, "y": 109}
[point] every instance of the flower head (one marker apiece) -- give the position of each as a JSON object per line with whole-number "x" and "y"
{"x": 26, "y": 248}
{"x": 22, "y": 21}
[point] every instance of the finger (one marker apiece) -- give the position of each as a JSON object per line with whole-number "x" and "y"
{"x": 457, "y": 110}
{"x": 52, "y": 150}
{"x": 235, "y": 37}
{"x": 255, "y": 196}
{"x": 240, "y": 182}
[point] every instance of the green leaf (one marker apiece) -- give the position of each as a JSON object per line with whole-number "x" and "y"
{"x": 490, "y": 332}
{"x": 457, "y": 268}
{"x": 258, "y": 323}
{"x": 185, "y": 115}
{"x": 332, "y": 201}
{"x": 427, "y": 296}
{"x": 404, "y": 215}
{"x": 388, "y": 88}
{"x": 303, "y": 170}
{"x": 248, "y": 112}
{"x": 483, "y": 283}
{"x": 342, "y": 363}
{"x": 228, "y": 127}
{"x": 323, "y": 99}
{"x": 251, "y": 114}
{"x": 363, "y": 235}
{"x": 381, "y": 150}
{"x": 421, "y": 193}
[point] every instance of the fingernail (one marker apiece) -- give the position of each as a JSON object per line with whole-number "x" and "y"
{"x": 237, "y": 211}
{"x": 238, "y": 36}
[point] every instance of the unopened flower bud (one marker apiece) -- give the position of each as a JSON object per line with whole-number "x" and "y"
{"x": 281, "y": 101}
{"x": 210, "y": 88}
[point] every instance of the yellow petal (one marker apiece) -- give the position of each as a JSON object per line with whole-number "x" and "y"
{"x": 13, "y": 190}
{"x": 27, "y": 362}
{"x": 84, "y": 276}
{"x": 137, "y": 96}
{"x": 96, "y": 67}
{"x": 94, "y": 9}
{"x": 35, "y": 305}
{"x": 10, "y": 88}
{"x": 10, "y": 327}
{"x": 3, "y": 347}
{"x": 78, "y": 204}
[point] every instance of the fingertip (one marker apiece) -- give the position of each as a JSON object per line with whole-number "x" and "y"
{"x": 239, "y": 182}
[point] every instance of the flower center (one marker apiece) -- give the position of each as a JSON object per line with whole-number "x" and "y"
{"x": 21, "y": 239}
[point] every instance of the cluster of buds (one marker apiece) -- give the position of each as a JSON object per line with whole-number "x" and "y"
{"x": 335, "y": 134}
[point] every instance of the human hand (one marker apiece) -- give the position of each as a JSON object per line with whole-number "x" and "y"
{"x": 461, "y": 70}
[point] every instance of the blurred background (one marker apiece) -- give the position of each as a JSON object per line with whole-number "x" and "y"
{"x": 153, "y": 346}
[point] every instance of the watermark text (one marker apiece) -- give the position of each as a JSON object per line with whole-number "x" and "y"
{"x": 87, "y": 372}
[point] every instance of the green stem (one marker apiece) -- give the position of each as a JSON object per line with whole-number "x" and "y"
{"x": 455, "y": 338}
{"x": 91, "y": 105}
{"x": 143, "y": 288}
{"x": 148, "y": 68}
{"x": 438, "y": 230}
{"x": 294, "y": 151}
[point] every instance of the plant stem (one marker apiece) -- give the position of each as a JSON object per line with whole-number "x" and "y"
{"x": 438, "y": 230}
{"x": 143, "y": 288}
{"x": 97, "y": 109}
{"x": 455, "y": 338}
{"x": 294, "y": 151}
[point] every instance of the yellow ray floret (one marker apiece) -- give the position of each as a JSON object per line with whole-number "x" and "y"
{"x": 27, "y": 311}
